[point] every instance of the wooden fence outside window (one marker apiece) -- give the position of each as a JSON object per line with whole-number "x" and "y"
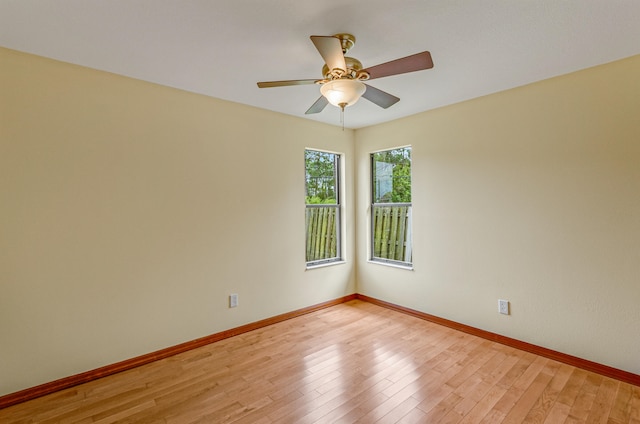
{"x": 322, "y": 233}
{"x": 392, "y": 232}
{"x": 391, "y": 235}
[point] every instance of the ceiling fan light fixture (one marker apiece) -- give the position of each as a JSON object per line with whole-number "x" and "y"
{"x": 343, "y": 92}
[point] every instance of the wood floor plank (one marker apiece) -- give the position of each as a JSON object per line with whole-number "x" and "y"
{"x": 264, "y": 413}
{"x": 343, "y": 405}
{"x": 484, "y": 405}
{"x": 571, "y": 390}
{"x": 525, "y": 403}
{"x": 543, "y": 405}
{"x": 459, "y": 411}
{"x": 354, "y": 414}
{"x": 444, "y": 407}
{"x": 517, "y": 380}
{"x": 621, "y": 409}
{"x": 635, "y": 405}
{"x": 354, "y": 362}
{"x": 586, "y": 396}
{"x": 415, "y": 416}
{"x": 558, "y": 413}
{"x": 603, "y": 402}
{"x": 399, "y": 411}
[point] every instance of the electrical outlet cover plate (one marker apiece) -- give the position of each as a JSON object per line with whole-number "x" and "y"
{"x": 503, "y": 306}
{"x": 233, "y": 300}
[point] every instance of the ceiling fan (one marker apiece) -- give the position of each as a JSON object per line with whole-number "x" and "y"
{"x": 342, "y": 83}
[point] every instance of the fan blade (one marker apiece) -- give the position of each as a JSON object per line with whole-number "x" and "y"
{"x": 268, "y": 84}
{"x": 331, "y": 51}
{"x": 379, "y": 97}
{"x": 416, "y": 62}
{"x": 318, "y": 106}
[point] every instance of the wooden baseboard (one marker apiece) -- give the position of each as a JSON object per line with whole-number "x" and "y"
{"x": 604, "y": 370}
{"x": 74, "y": 380}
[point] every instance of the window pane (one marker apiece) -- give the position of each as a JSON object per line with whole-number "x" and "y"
{"x": 392, "y": 176}
{"x": 321, "y": 177}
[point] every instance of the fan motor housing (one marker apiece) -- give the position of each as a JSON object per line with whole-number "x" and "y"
{"x": 354, "y": 66}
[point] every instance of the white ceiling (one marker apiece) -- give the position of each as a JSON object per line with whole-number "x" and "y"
{"x": 222, "y": 48}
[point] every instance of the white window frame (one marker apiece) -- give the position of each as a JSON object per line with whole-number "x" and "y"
{"x": 406, "y": 224}
{"x": 337, "y": 215}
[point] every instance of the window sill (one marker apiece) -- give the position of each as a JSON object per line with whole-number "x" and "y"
{"x": 326, "y": 264}
{"x": 391, "y": 264}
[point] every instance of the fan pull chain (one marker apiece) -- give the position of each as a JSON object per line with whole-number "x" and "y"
{"x": 342, "y": 105}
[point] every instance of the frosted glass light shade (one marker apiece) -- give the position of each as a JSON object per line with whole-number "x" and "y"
{"x": 343, "y": 92}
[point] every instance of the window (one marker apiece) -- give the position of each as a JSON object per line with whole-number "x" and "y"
{"x": 391, "y": 206}
{"x": 322, "y": 207}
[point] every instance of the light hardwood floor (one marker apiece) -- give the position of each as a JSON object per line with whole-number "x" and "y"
{"x": 355, "y": 362}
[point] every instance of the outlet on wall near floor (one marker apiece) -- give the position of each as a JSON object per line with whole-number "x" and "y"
{"x": 503, "y": 306}
{"x": 233, "y": 300}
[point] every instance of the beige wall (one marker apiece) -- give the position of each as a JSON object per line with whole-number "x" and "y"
{"x": 530, "y": 195}
{"x": 129, "y": 212}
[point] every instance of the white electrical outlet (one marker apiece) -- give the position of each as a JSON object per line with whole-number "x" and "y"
{"x": 233, "y": 300}
{"x": 503, "y": 306}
